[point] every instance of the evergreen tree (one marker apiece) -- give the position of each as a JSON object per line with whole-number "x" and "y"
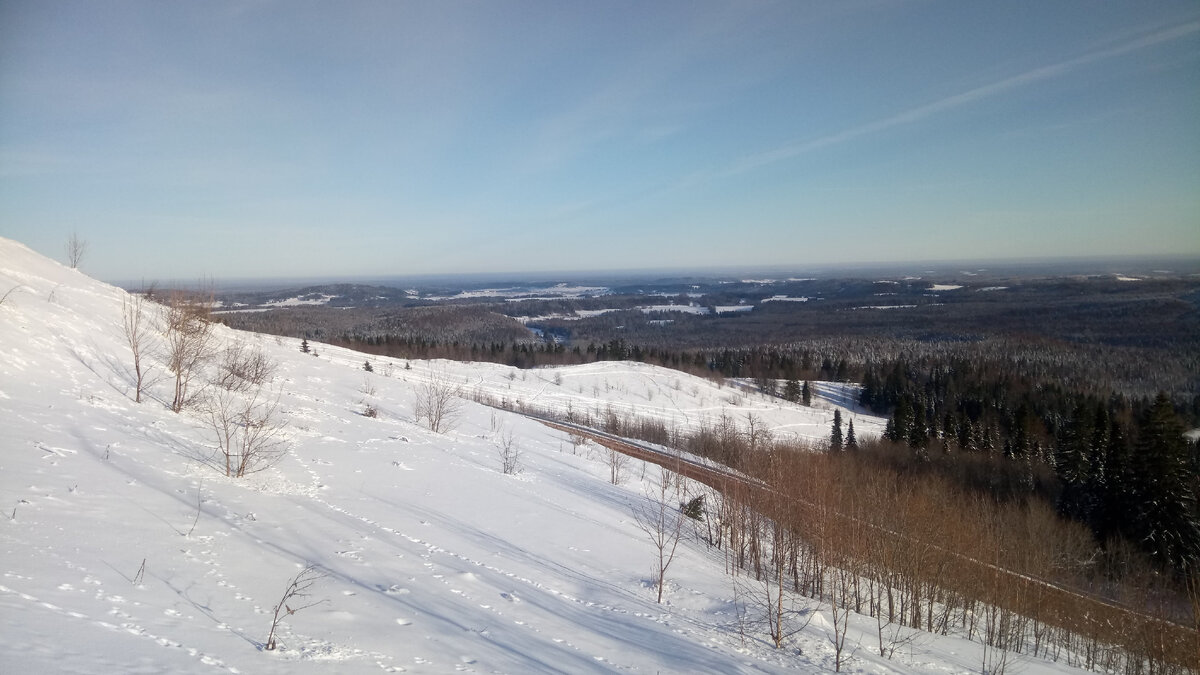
{"x": 987, "y": 438}
{"x": 851, "y": 440}
{"x": 304, "y": 345}
{"x": 806, "y": 393}
{"x": 367, "y": 367}
{"x": 835, "y": 436}
{"x": 1165, "y": 511}
{"x": 918, "y": 436}
{"x": 970, "y": 436}
{"x": 1072, "y": 463}
{"x": 791, "y": 391}
{"x": 843, "y": 370}
{"x": 901, "y": 422}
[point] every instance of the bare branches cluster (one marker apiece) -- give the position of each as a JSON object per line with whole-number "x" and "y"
{"x": 438, "y": 403}
{"x": 243, "y": 366}
{"x": 509, "y": 452}
{"x": 187, "y": 330}
{"x": 76, "y": 249}
{"x": 248, "y": 429}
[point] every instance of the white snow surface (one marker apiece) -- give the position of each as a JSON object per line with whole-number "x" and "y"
{"x": 121, "y": 551}
{"x": 301, "y": 301}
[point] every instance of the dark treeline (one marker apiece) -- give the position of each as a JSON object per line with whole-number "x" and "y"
{"x": 450, "y": 324}
{"x": 1119, "y": 464}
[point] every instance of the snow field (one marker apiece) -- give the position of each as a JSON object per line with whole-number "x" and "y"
{"x": 122, "y": 551}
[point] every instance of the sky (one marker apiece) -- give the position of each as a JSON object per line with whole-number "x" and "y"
{"x": 218, "y": 140}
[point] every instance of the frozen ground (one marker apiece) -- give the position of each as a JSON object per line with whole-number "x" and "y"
{"x": 122, "y": 551}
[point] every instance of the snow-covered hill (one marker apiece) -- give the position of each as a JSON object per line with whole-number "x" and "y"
{"x": 122, "y": 550}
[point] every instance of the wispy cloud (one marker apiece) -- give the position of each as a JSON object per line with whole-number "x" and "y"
{"x": 928, "y": 110}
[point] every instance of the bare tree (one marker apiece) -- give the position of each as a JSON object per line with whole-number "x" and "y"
{"x": 510, "y": 454}
{"x": 297, "y": 592}
{"x": 839, "y": 610}
{"x": 137, "y": 334}
{"x": 616, "y": 461}
{"x": 438, "y": 404}
{"x": 662, "y": 521}
{"x": 76, "y": 248}
{"x": 248, "y": 428}
{"x": 187, "y": 329}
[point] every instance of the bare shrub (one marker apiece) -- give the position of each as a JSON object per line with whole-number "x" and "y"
{"x": 438, "y": 404}
{"x": 509, "y": 452}
{"x": 367, "y": 388}
{"x": 369, "y": 410}
{"x": 243, "y": 366}
{"x": 187, "y": 329}
{"x": 248, "y": 428}
{"x": 298, "y": 593}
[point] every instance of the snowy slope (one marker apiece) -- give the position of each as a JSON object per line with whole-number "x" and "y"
{"x": 436, "y": 561}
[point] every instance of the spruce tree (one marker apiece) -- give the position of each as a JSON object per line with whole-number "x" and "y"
{"x": 367, "y": 367}
{"x": 835, "y": 436}
{"x": 918, "y": 437}
{"x": 806, "y": 393}
{"x": 851, "y": 439}
{"x": 1113, "y": 513}
{"x": 901, "y": 422}
{"x": 304, "y": 345}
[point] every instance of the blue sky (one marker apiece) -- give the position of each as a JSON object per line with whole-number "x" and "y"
{"x": 261, "y": 138}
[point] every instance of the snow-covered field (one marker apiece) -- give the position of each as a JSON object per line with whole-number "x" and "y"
{"x": 122, "y": 551}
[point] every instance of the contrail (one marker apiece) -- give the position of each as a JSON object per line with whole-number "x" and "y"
{"x": 970, "y": 96}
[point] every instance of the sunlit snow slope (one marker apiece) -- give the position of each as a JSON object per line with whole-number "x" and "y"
{"x": 122, "y": 551}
